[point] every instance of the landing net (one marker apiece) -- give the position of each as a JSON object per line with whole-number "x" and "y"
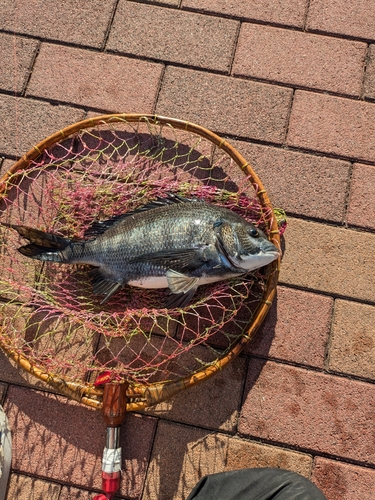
{"x": 53, "y": 324}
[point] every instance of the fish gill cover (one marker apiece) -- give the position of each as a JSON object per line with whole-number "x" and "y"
{"x": 48, "y": 311}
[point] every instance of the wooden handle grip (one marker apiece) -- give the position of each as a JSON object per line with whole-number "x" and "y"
{"x": 114, "y": 403}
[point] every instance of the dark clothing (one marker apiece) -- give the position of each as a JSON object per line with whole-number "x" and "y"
{"x": 256, "y": 484}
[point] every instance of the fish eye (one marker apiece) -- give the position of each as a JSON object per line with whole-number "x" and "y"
{"x": 254, "y": 233}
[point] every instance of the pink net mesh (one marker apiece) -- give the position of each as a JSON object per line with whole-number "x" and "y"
{"x": 48, "y": 311}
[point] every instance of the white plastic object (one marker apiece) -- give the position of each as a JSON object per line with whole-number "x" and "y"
{"x": 111, "y": 460}
{"x": 5, "y": 453}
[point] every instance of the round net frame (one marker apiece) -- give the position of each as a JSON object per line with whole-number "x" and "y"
{"x": 52, "y": 324}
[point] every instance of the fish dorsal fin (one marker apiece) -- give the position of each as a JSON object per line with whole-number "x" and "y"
{"x": 100, "y": 227}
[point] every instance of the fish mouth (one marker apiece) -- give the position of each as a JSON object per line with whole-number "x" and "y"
{"x": 269, "y": 255}
{"x": 268, "y": 248}
{"x": 257, "y": 260}
{"x": 273, "y": 253}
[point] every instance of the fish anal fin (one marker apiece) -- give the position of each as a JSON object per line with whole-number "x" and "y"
{"x": 103, "y": 285}
{"x": 180, "y": 300}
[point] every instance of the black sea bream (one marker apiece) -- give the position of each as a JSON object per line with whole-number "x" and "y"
{"x": 174, "y": 242}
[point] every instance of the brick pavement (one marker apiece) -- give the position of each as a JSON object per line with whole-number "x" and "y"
{"x": 292, "y": 85}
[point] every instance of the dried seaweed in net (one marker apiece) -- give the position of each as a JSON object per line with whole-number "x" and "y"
{"x": 49, "y": 313}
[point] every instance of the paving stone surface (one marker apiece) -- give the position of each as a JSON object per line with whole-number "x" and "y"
{"x": 195, "y": 453}
{"x": 369, "y": 87}
{"x": 263, "y": 108}
{"x": 180, "y": 37}
{"x": 47, "y": 427}
{"x": 300, "y": 59}
{"x": 355, "y": 22}
{"x": 85, "y": 23}
{"x": 102, "y": 81}
{"x": 332, "y": 125}
{"x": 301, "y": 184}
{"x": 291, "y": 85}
{"x": 352, "y": 344}
{"x": 329, "y": 259}
{"x": 342, "y": 480}
{"x": 70, "y": 493}
{"x": 198, "y": 405}
{"x": 329, "y": 414}
{"x": 26, "y": 122}
{"x": 16, "y": 58}
{"x": 293, "y": 331}
{"x": 20, "y": 487}
{"x": 290, "y": 13}
{"x": 361, "y": 209}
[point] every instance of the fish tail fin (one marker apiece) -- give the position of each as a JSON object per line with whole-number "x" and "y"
{"x": 44, "y": 246}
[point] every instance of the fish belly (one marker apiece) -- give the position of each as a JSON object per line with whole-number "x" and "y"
{"x": 162, "y": 282}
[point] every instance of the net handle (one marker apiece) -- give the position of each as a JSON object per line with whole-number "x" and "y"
{"x": 143, "y": 396}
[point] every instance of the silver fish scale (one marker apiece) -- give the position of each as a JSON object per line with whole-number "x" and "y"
{"x": 165, "y": 229}
{"x": 173, "y": 243}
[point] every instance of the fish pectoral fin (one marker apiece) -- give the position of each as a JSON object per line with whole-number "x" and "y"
{"x": 180, "y": 283}
{"x": 182, "y": 289}
{"x": 103, "y": 285}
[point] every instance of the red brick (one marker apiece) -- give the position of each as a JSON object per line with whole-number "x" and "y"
{"x": 178, "y": 463}
{"x": 84, "y": 23}
{"x": 341, "y": 481}
{"x": 333, "y": 125}
{"x": 288, "y": 12}
{"x": 225, "y": 104}
{"x": 26, "y": 122}
{"x": 16, "y": 57}
{"x": 126, "y": 85}
{"x": 361, "y": 209}
{"x": 26, "y": 488}
{"x": 64, "y": 441}
{"x": 300, "y": 59}
{"x": 329, "y": 259}
{"x": 70, "y": 493}
{"x": 180, "y": 37}
{"x": 5, "y": 166}
{"x": 198, "y": 405}
{"x": 342, "y": 17}
{"x": 293, "y": 331}
{"x": 300, "y": 183}
{"x": 12, "y": 373}
{"x": 166, "y": 2}
{"x": 352, "y": 345}
{"x": 369, "y": 87}
{"x": 309, "y": 410}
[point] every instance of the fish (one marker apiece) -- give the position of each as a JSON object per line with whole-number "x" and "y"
{"x": 172, "y": 242}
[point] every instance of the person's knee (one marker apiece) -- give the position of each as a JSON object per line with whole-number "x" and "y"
{"x": 260, "y": 484}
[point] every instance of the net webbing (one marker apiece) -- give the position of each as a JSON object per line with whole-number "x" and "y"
{"x": 48, "y": 311}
